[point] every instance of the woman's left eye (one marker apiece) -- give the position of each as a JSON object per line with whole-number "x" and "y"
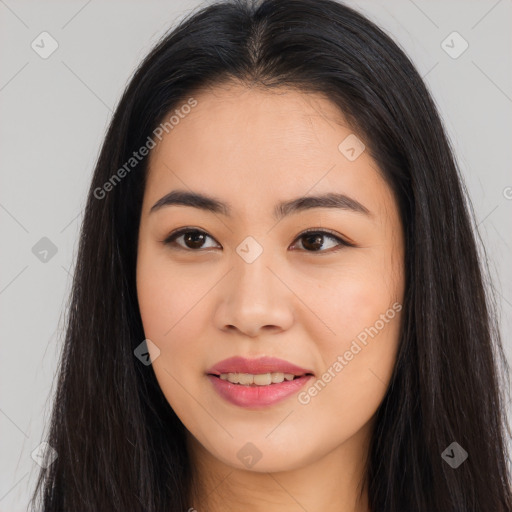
{"x": 194, "y": 239}
{"x": 315, "y": 239}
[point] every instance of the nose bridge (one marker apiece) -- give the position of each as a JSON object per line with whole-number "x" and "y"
{"x": 252, "y": 273}
{"x": 254, "y": 297}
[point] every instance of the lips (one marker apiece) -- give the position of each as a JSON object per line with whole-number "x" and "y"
{"x": 261, "y": 394}
{"x": 257, "y": 366}
{"x": 257, "y": 397}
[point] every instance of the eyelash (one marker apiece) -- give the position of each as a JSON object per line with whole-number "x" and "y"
{"x": 170, "y": 240}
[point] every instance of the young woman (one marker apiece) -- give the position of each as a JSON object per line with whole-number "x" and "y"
{"x": 278, "y": 303}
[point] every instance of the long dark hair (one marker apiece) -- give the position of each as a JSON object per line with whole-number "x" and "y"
{"x": 120, "y": 445}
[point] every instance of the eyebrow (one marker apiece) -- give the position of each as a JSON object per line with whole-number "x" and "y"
{"x": 283, "y": 209}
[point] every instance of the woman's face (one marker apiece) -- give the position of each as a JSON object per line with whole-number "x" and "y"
{"x": 245, "y": 281}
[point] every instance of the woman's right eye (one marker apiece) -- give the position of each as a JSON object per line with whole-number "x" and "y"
{"x": 192, "y": 239}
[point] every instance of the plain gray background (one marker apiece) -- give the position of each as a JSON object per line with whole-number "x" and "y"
{"x": 53, "y": 116}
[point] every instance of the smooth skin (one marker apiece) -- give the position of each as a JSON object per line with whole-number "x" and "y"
{"x": 301, "y": 300}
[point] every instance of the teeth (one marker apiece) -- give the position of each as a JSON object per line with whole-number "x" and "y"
{"x": 276, "y": 377}
{"x": 244, "y": 378}
{"x": 263, "y": 379}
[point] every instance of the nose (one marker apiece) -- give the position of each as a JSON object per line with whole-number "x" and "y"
{"x": 255, "y": 298}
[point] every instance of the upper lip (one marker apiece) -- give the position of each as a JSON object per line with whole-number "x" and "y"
{"x": 256, "y": 366}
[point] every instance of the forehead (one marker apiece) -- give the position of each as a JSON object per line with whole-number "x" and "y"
{"x": 235, "y": 120}
{"x": 246, "y": 144}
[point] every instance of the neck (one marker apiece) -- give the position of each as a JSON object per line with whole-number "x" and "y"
{"x": 331, "y": 482}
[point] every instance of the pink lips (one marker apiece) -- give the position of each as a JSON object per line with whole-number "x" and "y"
{"x": 255, "y": 396}
{"x": 256, "y": 366}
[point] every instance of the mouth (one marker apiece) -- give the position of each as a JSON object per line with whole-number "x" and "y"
{"x": 257, "y": 383}
{"x": 263, "y": 369}
{"x": 261, "y": 379}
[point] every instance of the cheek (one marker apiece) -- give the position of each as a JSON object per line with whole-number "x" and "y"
{"x": 348, "y": 299}
{"x": 356, "y": 375}
{"x": 174, "y": 310}
{"x": 171, "y": 312}
{"x": 167, "y": 296}
{"x": 156, "y": 301}
{"x": 361, "y": 306}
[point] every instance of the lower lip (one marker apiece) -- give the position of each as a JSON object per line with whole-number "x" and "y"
{"x": 257, "y": 396}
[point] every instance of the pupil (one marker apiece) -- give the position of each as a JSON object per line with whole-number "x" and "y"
{"x": 315, "y": 240}
{"x": 192, "y": 237}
